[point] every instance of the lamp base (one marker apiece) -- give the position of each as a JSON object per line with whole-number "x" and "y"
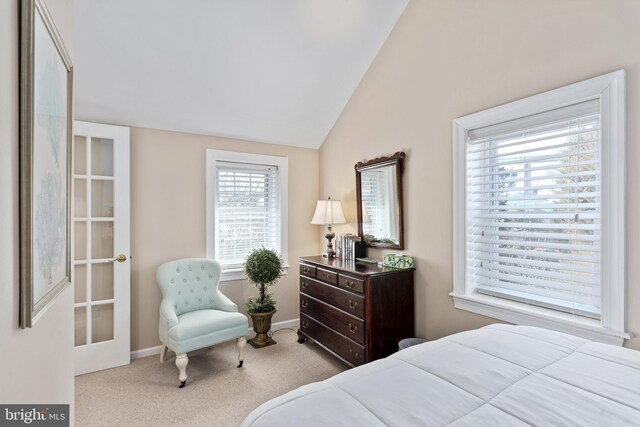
{"x": 330, "y": 253}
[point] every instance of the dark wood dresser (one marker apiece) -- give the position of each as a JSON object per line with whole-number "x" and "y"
{"x": 356, "y": 311}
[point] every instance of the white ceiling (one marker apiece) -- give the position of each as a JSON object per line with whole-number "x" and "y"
{"x": 276, "y": 71}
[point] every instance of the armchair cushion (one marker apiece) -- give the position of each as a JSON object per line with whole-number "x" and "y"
{"x": 202, "y": 328}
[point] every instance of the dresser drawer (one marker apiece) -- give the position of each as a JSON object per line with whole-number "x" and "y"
{"x": 344, "y": 347}
{"x": 327, "y": 276}
{"x": 346, "y": 301}
{"x": 347, "y": 325}
{"x": 307, "y": 270}
{"x": 351, "y": 283}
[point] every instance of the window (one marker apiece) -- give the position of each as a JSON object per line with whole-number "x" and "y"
{"x": 375, "y": 201}
{"x": 246, "y": 207}
{"x": 378, "y": 186}
{"x": 539, "y": 210}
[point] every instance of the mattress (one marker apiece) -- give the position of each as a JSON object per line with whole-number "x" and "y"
{"x": 499, "y": 375}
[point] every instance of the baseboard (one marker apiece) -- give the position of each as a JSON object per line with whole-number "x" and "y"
{"x": 145, "y": 352}
{"x": 152, "y": 351}
{"x": 285, "y": 324}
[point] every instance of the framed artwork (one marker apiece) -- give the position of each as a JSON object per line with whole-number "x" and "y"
{"x": 46, "y": 78}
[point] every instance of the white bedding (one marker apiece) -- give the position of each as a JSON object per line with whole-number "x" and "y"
{"x": 499, "y": 375}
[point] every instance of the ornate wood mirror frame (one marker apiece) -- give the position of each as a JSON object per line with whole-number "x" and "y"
{"x": 391, "y": 208}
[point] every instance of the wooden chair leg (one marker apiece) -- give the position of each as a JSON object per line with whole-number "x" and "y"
{"x": 241, "y": 343}
{"x": 163, "y": 353}
{"x": 181, "y": 362}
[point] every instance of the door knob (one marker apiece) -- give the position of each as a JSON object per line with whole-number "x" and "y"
{"x": 120, "y": 258}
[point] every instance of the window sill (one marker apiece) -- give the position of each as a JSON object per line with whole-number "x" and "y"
{"x": 523, "y": 314}
{"x": 236, "y": 274}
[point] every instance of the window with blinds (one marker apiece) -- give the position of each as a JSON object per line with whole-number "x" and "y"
{"x": 533, "y": 209}
{"x": 247, "y": 211}
{"x": 373, "y": 189}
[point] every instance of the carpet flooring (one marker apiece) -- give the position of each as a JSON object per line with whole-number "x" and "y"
{"x": 145, "y": 393}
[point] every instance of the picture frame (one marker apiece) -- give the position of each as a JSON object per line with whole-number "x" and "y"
{"x": 46, "y": 120}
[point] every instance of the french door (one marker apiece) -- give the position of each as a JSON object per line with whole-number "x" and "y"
{"x": 101, "y": 273}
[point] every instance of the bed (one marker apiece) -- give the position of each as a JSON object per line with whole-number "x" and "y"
{"x": 499, "y": 375}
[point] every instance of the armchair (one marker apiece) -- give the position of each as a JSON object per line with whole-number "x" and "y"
{"x": 194, "y": 314}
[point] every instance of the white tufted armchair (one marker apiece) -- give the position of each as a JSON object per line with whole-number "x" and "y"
{"x": 194, "y": 314}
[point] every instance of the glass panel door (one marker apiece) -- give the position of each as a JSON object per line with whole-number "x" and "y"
{"x": 101, "y": 245}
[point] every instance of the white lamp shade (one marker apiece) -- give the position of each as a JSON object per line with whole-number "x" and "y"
{"x": 328, "y": 212}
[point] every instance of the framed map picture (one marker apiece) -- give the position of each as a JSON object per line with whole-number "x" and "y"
{"x": 45, "y": 162}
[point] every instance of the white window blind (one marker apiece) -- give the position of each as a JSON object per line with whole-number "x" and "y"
{"x": 247, "y": 211}
{"x": 533, "y": 218}
{"x": 373, "y": 191}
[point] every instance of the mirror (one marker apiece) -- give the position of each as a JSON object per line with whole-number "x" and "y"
{"x": 379, "y": 201}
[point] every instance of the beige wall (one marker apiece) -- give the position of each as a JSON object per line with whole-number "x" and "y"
{"x": 446, "y": 59}
{"x": 168, "y": 218}
{"x": 36, "y": 365}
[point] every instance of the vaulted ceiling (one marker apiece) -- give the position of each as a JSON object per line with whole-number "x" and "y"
{"x": 275, "y": 71}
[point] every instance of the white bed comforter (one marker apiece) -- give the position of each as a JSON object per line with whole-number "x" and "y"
{"x": 499, "y": 375}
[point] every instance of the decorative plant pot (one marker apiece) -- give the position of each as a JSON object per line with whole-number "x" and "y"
{"x": 261, "y": 325}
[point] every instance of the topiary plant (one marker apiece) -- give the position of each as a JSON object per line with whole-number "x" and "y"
{"x": 263, "y": 268}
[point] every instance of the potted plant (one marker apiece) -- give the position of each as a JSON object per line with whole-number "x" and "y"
{"x": 263, "y": 268}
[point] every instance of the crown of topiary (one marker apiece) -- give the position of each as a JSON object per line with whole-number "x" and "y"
{"x": 263, "y": 266}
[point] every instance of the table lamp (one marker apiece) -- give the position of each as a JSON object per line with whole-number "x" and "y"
{"x": 329, "y": 212}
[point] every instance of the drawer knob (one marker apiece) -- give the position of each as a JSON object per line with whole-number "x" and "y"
{"x": 304, "y": 325}
{"x": 353, "y": 305}
{"x": 305, "y": 270}
{"x": 304, "y": 304}
{"x": 353, "y": 329}
{"x": 304, "y": 285}
{"x": 355, "y": 354}
{"x": 350, "y": 284}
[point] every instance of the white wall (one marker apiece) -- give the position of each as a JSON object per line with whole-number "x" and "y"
{"x": 36, "y": 365}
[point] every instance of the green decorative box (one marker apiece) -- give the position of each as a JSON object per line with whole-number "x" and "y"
{"x": 398, "y": 261}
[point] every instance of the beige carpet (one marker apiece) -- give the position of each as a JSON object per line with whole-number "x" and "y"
{"x": 145, "y": 393}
